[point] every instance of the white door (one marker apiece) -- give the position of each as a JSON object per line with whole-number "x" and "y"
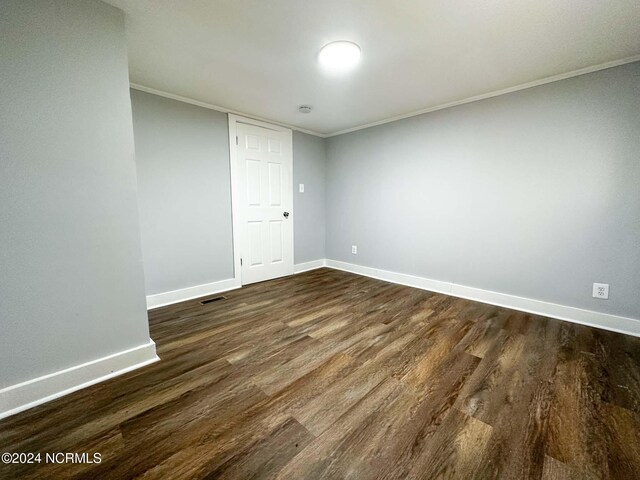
{"x": 265, "y": 200}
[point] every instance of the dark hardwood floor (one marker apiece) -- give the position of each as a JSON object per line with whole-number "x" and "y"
{"x": 331, "y": 375}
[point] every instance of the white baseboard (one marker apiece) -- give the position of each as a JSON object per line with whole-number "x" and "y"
{"x": 176, "y": 296}
{"x": 25, "y": 395}
{"x": 606, "y": 321}
{"x": 312, "y": 265}
{"x": 393, "y": 277}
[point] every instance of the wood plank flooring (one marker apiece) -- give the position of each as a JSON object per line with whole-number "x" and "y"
{"x": 331, "y": 375}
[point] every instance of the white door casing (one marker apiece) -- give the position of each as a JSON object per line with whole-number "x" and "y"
{"x": 262, "y": 199}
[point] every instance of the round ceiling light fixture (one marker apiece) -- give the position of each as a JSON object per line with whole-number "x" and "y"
{"x": 304, "y": 108}
{"x": 340, "y": 56}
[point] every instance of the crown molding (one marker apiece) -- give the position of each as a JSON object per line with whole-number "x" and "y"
{"x": 217, "y": 108}
{"x": 496, "y": 93}
{"x": 476, "y": 98}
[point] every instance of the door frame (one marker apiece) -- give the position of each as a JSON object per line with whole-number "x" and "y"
{"x": 234, "y": 120}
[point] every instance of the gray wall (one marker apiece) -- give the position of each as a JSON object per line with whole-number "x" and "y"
{"x": 71, "y": 287}
{"x": 309, "y": 164}
{"x": 184, "y": 183}
{"x": 535, "y": 193}
{"x": 182, "y": 157}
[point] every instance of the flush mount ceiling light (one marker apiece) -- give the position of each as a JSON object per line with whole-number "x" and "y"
{"x": 339, "y": 57}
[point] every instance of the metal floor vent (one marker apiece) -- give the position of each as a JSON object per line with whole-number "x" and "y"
{"x": 211, "y": 300}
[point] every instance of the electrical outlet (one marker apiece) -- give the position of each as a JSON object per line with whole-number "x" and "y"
{"x": 354, "y": 249}
{"x": 301, "y": 188}
{"x": 601, "y": 290}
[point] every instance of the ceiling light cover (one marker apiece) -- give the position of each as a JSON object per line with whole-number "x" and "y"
{"x": 339, "y": 57}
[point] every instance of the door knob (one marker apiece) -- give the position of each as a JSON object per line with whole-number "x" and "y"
{"x": 286, "y": 214}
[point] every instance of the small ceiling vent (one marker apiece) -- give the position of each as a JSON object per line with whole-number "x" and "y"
{"x": 304, "y": 108}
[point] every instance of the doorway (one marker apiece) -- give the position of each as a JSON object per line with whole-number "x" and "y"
{"x": 261, "y": 158}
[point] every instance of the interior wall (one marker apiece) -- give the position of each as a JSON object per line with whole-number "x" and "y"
{"x": 535, "y": 193}
{"x": 182, "y": 155}
{"x": 72, "y": 286}
{"x": 184, "y": 183}
{"x": 309, "y": 164}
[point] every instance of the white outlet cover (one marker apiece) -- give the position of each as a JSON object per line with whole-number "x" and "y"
{"x": 601, "y": 290}
{"x": 354, "y": 249}
{"x": 301, "y": 188}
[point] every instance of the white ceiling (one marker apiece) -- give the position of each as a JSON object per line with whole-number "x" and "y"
{"x": 259, "y": 56}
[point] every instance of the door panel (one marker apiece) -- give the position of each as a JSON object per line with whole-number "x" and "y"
{"x": 275, "y": 185}
{"x": 276, "y": 240}
{"x": 254, "y": 254}
{"x": 265, "y": 193}
{"x": 253, "y": 182}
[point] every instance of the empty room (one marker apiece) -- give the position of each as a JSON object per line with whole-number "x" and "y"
{"x": 330, "y": 239}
